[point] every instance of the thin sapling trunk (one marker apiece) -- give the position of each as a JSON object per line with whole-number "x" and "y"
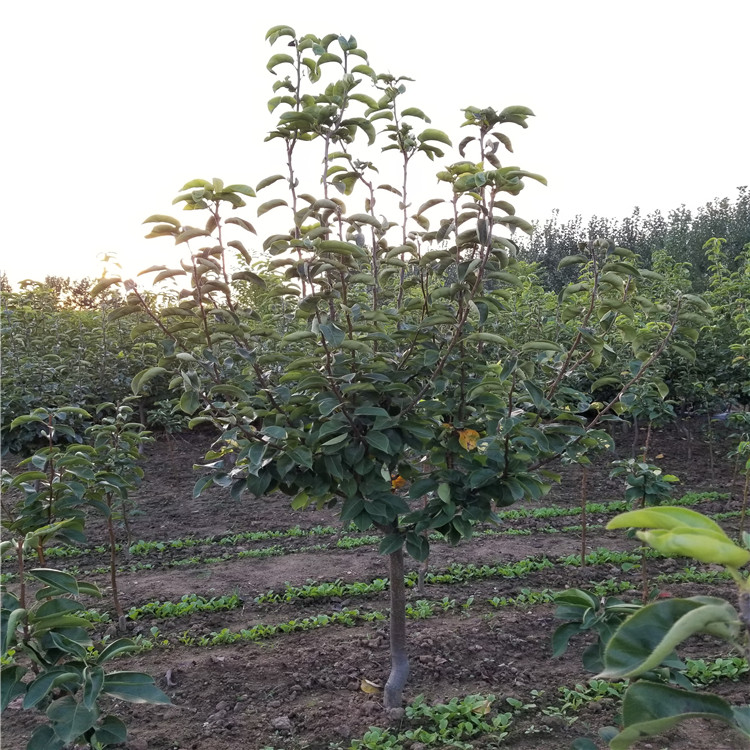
{"x": 394, "y": 687}
{"x": 113, "y": 569}
{"x": 647, "y": 444}
{"x": 584, "y": 524}
{"x": 743, "y": 511}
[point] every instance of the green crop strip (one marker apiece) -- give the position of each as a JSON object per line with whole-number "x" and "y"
{"x": 142, "y": 548}
{"x": 354, "y": 542}
{"x": 186, "y": 606}
{"x": 455, "y": 573}
{"x": 418, "y": 610}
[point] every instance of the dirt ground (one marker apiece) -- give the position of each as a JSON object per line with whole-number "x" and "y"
{"x": 301, "y": 691}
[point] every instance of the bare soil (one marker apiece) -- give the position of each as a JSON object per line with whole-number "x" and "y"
{"x": 301, "y": 690}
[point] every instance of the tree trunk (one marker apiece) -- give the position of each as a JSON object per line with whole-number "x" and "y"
{"x": 743, "y": 512}
{"x": 584, "y": 517}
{"x": 121, "y": 623}
{"x": 394, "y": 688}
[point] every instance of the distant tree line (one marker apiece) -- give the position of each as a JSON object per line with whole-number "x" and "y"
{"x": 682, "y": 233}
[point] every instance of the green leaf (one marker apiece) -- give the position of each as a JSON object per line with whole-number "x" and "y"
{"x": 379, "y": 441}
{"x": 683, "y": 351}
{"x": 253, "y": 278}
{"x": 703, "y": 545}
{"x": 517, "y": 110}
{"x": 28, "y": 476}
{"x": 57, "y": 578}
{"x": 649, "y": 636}
{"x": 418, "y": 546}
{"x": 11, "y": 683}
{"x": 239, "y": 188}
{"x": 391, "y": 543}
{"x": 332, "y": 334}
{"x": 607, "y": 380}
{"x": 232, "y": 391}
{"x": 143, "y": 377}
{"x": 264, "y": 183}
{"x": 507, "y": 277}
{"x": 115, "y": 648}
{"x": 168, "y": 273}
{"x": 664, "y": 517}
{"x": 364, "y": 219}
{"x": 121, "y": 312}
{"x": 485, "y": 336}
{"x": 651, "y": 708}
{"x": 162, "y": 219}
{"x": 103, "y": 284}
{"x": 70, "y": 718}
{"x": 295, "y": 336}
{"x": 342, "y": 248}
{"x": 93, "y": 677}
{"x": 370, "y": 411}
{"x": 431, "y": 134}
{"x": 583, "y": 743}
{"x": 73, "y": 410}
{"x": 336, "y": 440}
{"x": 364, "y": 69}
{"x": 190, "y": 233}
{"x": 44, "y": 738}
{"x": 415, "y": 112}
{"x": 26, "y": 419}
{"x": 562, "y": 636}
{"x": 56, "y": 622}
{"x": 276, "y": 31}
{"x": 279, "y": 59}
{"x": 516, "y": 222}
{"x": 134, "y": 687}
{"x": 301, "y": 500}
{"x": 246, "y": 225}
{"x": 273, "y": 431}
{"x": 543, "y": 346}
{"x": 698, "y": 301}
{"x": 190, "y": 402}
{"x": 197, "y": 184}
{"x": 58, "y": 606}
{"x": 571, "y": 260}
{"x": 111, "y": 731}
{"x": 201, "y": 484}
{"x": 270, "y": 205}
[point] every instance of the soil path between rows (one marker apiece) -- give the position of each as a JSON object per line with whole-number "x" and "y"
{"x": 301, "y": 691}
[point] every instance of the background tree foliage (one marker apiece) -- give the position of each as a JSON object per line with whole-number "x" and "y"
{"x": 682, "y": 234}
{"x": 61, "y": 347}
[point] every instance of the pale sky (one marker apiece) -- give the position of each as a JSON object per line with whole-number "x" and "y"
{"x": 111, "y": 107}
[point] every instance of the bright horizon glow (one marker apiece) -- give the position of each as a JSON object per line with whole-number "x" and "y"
{"x": 115, "y": 107}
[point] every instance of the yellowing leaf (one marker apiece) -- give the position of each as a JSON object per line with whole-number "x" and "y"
{"x": 468, "y": 439}
{"x": 366, "y": 686}
{"x": 482, "y": 708}
{"x": 398, "y": 482}
{"x": 704, "y": 545}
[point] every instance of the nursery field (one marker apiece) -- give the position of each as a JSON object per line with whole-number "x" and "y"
{"x": 261, "y": 623}
{"x": 375, "y": 513}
